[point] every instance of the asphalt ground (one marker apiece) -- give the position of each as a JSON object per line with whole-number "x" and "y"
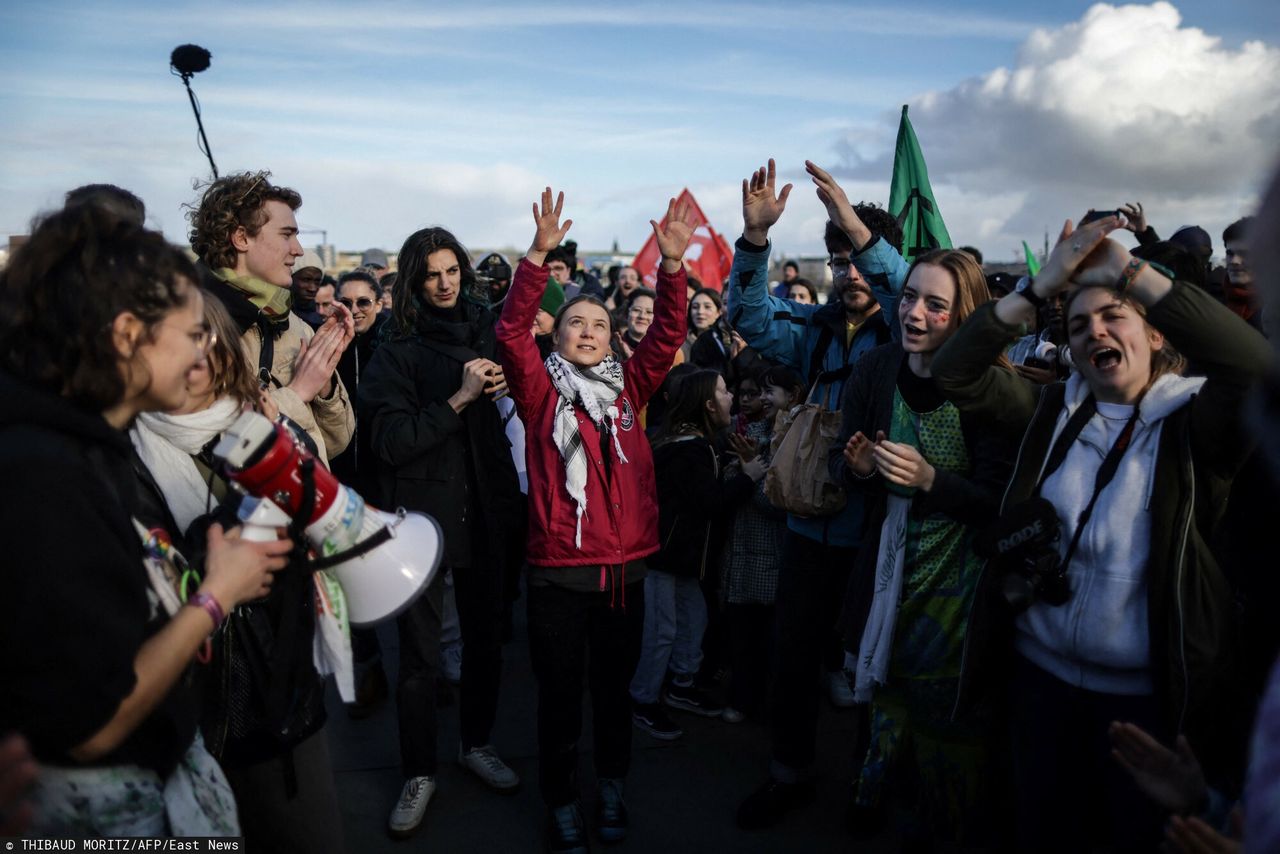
{"x": 682, "y": 795}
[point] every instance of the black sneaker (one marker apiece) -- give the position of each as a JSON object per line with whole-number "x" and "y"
{"x": 690, "y": 698}
{"x": 653, "y": 719}
{"x": 611, "y": 812}
{"x": 566, "y": 831}
{"x": 766, "y": 806}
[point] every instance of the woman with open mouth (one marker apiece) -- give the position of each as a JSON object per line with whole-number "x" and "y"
{"x": 1127, "y": 616}
{"x": 932, "y": 477}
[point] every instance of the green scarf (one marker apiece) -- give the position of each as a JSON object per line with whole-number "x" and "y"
{"x": 271, "y": 300}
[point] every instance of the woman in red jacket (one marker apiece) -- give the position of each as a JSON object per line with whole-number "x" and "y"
{"x": 593, "y": 512}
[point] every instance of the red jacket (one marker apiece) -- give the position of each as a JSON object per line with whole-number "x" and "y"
{"x": 621, "y": 520}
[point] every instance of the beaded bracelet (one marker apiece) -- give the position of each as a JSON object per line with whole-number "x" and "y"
{"x": 210, "y": 606}
{"x": 1131, "y": 271}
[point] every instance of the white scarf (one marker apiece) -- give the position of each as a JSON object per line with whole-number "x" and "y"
{"x": 166, "y": 443}
{"x": 596, "y": 390}
{"x": 877, "y": 638}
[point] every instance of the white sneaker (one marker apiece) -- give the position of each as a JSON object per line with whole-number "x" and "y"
{"x": 840, "y": 688}
{"x": 408, "y": 811}
{"x": 485, "y": 764}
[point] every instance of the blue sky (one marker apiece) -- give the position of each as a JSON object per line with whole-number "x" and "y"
{"x": 391, "y": 116}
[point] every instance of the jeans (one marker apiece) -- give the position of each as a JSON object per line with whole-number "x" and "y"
{"x": 675, "y": 617}
{"x": 571, "y": 632}
{"x": 479, "y": 597}
{"x": 811, "y": 588}
{"x": 1064, "y": 776}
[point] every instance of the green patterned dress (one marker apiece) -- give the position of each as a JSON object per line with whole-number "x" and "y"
{"x": 911, "y": 724}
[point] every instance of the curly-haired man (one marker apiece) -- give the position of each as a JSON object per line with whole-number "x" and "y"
{"x": 245, "y": 232}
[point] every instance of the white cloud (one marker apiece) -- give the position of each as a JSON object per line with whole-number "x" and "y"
{"x": 1124, "y": 104}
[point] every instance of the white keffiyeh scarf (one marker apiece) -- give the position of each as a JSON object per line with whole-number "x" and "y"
{"x": 166, "y": 444}
{"x": 596, "y": 390}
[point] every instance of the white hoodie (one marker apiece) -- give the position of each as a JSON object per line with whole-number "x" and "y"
{"x": 1099, "y": 639}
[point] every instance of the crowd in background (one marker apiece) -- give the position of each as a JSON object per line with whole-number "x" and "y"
{"x": 1016, "y": 527}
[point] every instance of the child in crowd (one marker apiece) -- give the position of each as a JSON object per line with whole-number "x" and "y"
{"x": 692, "y": 493}
{"x": 749, "y": 564}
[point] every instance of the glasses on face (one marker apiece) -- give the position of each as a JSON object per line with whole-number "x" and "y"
{"x": 203, "y": 338}
{"x": 363, "y": 303}
{"x": 641, "y": 312}
{"x": 840, "y": 267}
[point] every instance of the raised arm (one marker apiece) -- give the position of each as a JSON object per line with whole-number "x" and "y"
{"x": 774, "y": 327}
{"x": 652, "y": 359}
{"x": 526, "y": 376}
{"x": 880, "y": 264}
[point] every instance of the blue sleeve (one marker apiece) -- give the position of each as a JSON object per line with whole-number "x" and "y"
{"x": 885, "y": 270}
{"x": 776, "y": 328}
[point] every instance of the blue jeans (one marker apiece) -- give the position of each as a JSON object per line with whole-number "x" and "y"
{"x": 675, "y": 618}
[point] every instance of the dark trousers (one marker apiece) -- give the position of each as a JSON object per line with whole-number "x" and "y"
{"x": 572, "y": 633}
{"x": 750, "y": 633}
{"x": 811, "y": 588}
{"x": 479, "y": 596}
{"x": 274, "y": 821}
{"x": 1066, "y": 783}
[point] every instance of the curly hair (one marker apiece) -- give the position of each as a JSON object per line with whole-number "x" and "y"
{"x": 231, "y": 202}
{"x": 881, "y": 222}
{"x": 63, "y": 289}
{"x": 412, "y": 269}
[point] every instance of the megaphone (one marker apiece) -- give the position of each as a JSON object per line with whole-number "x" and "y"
{"x": 384, "y": 561}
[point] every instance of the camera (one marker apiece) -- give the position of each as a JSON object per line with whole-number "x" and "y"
{"x": 1022, "y": 545}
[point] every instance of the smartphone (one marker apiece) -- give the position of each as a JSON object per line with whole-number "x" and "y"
{"x": 1094, "y": 216}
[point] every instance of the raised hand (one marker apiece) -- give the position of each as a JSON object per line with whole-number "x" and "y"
{"x": 1080, "y": 252}
{"x": 1135, "y": 219}
{"x": 839, "y": 211}
{"x": 673, "y": 234}
{"x": 761, "y": 207}
{"x": 549, "y": 232}
{"x": 1175, "y": 781}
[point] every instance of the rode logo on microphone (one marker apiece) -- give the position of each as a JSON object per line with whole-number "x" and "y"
{"x": 1017, "y": 538}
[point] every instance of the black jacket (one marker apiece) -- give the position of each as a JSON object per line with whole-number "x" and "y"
{"x": 694, "y": 502}
{"x": 453, "y": 466}
{"x": 357, "y": 466}
{"x": 77, "y": 603}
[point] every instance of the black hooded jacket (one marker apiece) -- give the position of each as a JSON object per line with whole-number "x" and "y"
{"x": 77, "y": 603}
{"x": 456, "y": 467}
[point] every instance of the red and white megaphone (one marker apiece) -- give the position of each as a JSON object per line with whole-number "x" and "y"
{"x": 383, "y": 561}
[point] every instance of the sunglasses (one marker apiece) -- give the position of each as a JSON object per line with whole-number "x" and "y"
{"x": 363, "y": 302}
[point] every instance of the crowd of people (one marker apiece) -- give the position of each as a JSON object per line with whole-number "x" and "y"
{"x": 1016, "y": 530}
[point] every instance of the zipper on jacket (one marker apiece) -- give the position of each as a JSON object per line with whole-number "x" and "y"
{"x": 1181, "y": 567}
{"x": 1004, "y": 500}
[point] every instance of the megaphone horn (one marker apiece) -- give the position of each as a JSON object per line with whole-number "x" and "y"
{"x": 384, "y": 561}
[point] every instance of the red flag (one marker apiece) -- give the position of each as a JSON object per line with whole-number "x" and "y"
{"x": 709, "y": 256}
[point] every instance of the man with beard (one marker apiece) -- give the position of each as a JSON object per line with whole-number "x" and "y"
{"x": 823, "y": 343}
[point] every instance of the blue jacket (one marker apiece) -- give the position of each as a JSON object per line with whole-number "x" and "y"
{"x": 789, "y": 333}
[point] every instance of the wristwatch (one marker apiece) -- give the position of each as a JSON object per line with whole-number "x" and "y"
{"x": 1023, "y": 289}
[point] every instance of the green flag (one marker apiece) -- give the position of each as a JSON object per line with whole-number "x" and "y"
{"x": 1033, "y": 265}
{"x": 911, "y": 198}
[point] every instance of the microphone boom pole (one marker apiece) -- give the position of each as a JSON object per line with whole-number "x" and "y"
{"x": 186, "y": 61}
